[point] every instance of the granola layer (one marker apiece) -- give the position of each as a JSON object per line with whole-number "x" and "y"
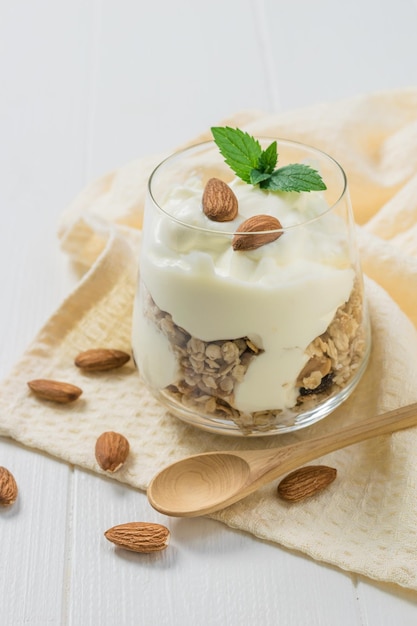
{"x": 209, "y": 371}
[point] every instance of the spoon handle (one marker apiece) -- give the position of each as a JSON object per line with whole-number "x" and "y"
{"x": 293, "y": 456}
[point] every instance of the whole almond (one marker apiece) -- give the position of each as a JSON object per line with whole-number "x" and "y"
{"x": 111, "y": 451}
{"x": 219, "y": 202}
{"x": 101, "y": 359}
{"x": 255, "y": 232}
{"x": 8, "y": 487}
{"x": 139, "y": 536}
{"x": 305, "y": 482}
{"x": 55, "y": 390}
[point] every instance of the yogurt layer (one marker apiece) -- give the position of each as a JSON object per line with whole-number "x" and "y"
{"x": 281, "y": 295}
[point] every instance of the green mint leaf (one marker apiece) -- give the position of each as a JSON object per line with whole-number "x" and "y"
{"x": 257, "y": 176}
{"x": 244, "y": 155}
{"x": 240, "y": 150}
{"x": 268, "y": 159}
{"x": 296, "y": 177}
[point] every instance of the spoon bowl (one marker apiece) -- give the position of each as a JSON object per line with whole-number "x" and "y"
{"x": 197, "y": 481}
{"x": 204, "y": 483}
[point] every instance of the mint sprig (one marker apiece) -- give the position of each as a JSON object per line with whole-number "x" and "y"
{"x": 241, "y": 151}
{"x": 244, "y": 155}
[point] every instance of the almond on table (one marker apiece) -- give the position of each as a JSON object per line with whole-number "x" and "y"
{"x": 111, "y": 451}
{"x": 8, "y": 487}
{"x": 305, "y": 482}
{"x": 142, "y": 537}
{"x": 55, "y": 390}
{"x": 101, "y": 359}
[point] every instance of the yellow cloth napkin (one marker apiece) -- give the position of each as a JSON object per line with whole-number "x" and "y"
{"x": 366, "y": 521}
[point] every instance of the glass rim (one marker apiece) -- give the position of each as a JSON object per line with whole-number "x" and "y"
{"x": 218, "y": 232}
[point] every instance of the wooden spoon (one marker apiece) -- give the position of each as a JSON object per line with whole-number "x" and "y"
{"x": 204, "y": 483}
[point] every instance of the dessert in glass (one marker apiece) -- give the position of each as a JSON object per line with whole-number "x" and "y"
{"x": 250, "y": 317}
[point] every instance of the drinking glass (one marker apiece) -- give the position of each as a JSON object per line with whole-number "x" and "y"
{"x": 257, "y": 340}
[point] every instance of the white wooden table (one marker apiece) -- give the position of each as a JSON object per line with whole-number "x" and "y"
{"x": 87, "y": 85}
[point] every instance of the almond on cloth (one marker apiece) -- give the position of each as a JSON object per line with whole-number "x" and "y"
{"x": 54, "y": 390}
{"x": 101, "y": 359}
{"x": 305, "y": 482}
{"x": 219, "y": 202}
{"x": 111, "y": 451}
{"x": 8, "y": 487}
{"x": 254, "y": 232}
{"x": 142, "y": 537}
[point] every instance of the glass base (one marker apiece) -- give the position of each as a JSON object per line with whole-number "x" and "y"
{"x": 285, "y": 422}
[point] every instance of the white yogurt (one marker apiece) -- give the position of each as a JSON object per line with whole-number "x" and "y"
{"x": 281, "y": 295}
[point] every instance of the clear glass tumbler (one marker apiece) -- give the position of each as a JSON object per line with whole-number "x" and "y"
{"x": 257, "y": 339}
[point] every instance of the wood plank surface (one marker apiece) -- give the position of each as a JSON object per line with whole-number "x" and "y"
{"x": 86, "y": 87}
